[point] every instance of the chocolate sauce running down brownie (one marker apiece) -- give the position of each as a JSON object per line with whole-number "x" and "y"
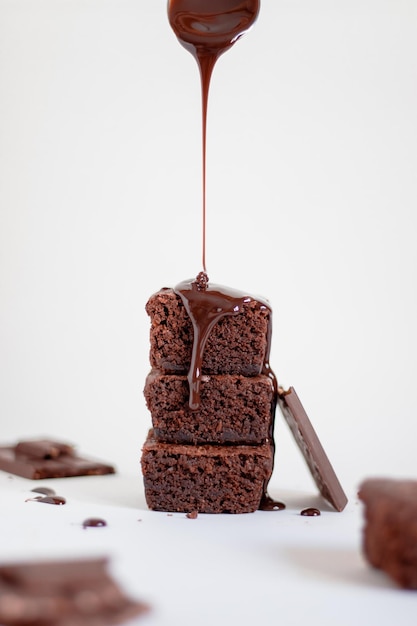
{"x": 390, "y": 530}
{"x": 233, "y": 408}
{"x": 237, "y": 344}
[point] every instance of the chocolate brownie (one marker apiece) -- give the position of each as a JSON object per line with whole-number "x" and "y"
{"x": 212, "y": 398}
{"x": 390, "y": 531}
{"x": 206, "y": 479}
{"x": 237, "y": 344}
{"x": 233, "y": 408}
{"x": 63, "y": 593}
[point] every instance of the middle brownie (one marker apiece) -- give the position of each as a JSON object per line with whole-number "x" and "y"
{"x": 233, "y": 408}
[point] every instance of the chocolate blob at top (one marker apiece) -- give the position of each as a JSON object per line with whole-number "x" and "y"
{"x": 207, "y": 28}
{"x": 210, "y": 27}
{"x": 206, "y": 304}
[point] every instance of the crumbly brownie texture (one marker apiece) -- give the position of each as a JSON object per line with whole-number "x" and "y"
{"x": 63, "y": 593}
{"x": 390, "y": 531}
{"x": 207, "y": 479}
{"x": 233, "y": 408}
{"x": 236, "y": 345}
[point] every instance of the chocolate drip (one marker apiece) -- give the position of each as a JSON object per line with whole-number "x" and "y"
{"x": 207, "y": 28}
{"x": 206, "y": 304}
{"x": 269, "y": 504}
{"x": 57, "y": 500}
{"x": 94, "y": 522}
{"x": 310, "y": 512}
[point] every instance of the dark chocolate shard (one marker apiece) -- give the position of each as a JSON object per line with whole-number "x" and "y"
{"x": 43, "y": 458}
{"x": 311, "y": 448}
{"x": 43, "y": 448}
{"x": 63, "y": 593}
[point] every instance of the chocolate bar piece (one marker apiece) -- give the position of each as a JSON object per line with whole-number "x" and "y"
{"x": 390, "y": 531}
{"x": 63, "y": 593}
{"x": 311, "y": 448}
{"x": 42, "y": 458}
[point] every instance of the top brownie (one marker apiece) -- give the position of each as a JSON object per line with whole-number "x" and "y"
{"x": 237, "y": 344}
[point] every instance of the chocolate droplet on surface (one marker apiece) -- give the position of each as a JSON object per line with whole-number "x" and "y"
{"x": 94, "y": 522}
{"x": 52, "y": 500}
{"x": 269, "y": 504}
{"x": 310, "y": 512}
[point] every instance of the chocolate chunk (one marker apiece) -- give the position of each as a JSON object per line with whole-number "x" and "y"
{"x": 63, "y": 593}
{"x": 44, "y": 449}
{"x": 311, "y": 448}
{"x": 40, "y": 459}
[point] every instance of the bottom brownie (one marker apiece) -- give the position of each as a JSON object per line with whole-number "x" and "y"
{"x": 390, "y": 532}
{"x": 207, "y": 479}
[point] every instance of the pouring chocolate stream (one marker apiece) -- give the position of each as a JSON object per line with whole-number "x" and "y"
{"x": 207, "y": 28}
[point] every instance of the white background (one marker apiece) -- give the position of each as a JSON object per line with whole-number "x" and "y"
{"x": 312, "y": 197}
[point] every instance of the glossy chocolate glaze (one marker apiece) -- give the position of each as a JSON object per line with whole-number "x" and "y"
{"x": 94, "y": 522}
{"x": 310, "y": 512}
{"x": 57, "y": 500}
{"x": 207, "y": 28}
{"x": 206, "y": 304}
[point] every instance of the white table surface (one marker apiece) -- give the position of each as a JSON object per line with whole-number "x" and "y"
{"x": 312, "y": 195}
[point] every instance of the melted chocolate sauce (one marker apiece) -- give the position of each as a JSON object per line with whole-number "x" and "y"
{"x": 58, "y": 500}
{"x": 310, "y": 512}
{"x": 94, "y": 522}
{"x": 207, "y": 28}
{"x": 268, "y": 504}
{"x": 206, "y": 304}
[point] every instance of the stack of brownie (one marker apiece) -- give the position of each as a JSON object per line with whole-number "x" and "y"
{"x": 214, "y": 455}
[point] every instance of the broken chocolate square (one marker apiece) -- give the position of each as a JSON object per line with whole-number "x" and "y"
{"x": 63, "y": 593}
{"x": 311, "y": 448}
{"x": 42, "y": 458}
